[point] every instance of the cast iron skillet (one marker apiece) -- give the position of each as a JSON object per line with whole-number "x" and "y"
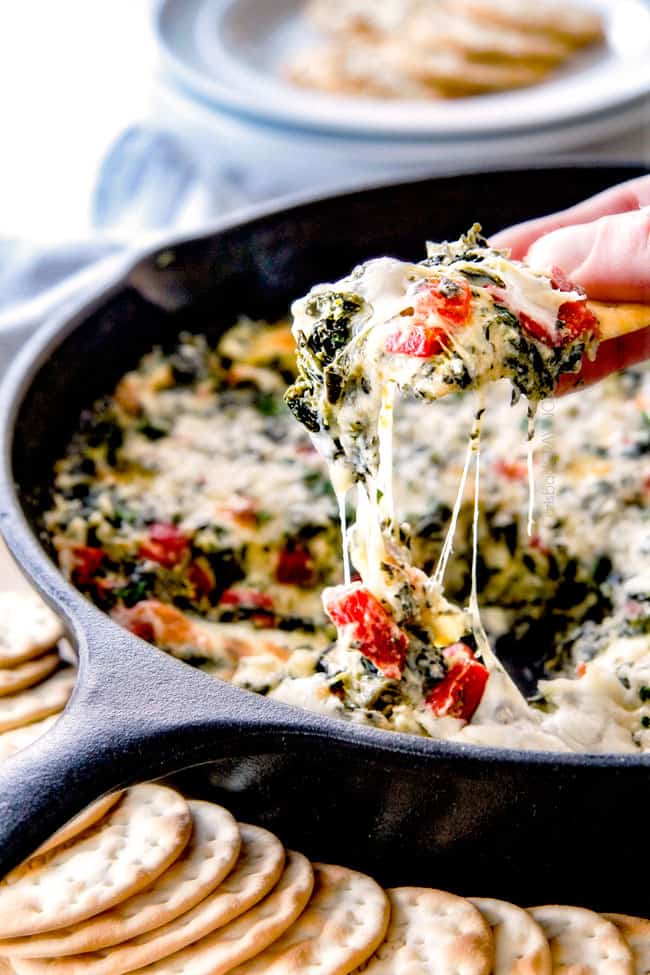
{"x": 528, "y": 826}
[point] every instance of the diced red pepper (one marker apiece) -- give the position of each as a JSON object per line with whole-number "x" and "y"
{"x": 166, "y": 545}
{"x": 87, "y": 562}
{"x": 373, "y": 630}
{"x": 142, "y": 628}
{"x": 575, "y": 319}
{"x": 438, "y": 305}
{"x": 201, "y": 577}
{"x": 246, "y": 597}
{"x": 295, "y": 566}
{"x": 446, "y": 298}
{"x": 251, "y": 599}
{"x": 535, "y": 542}
{"x": 512, "y": 470}
{"x": 459, "y": 693}
{"x": 418, "y": 341}
{"x": 105, "y": 587}
{"x": 538, "y": 331}
{"x": 581, "y": 669}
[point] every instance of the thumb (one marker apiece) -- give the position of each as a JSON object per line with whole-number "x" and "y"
{"x": 609, "y": 258}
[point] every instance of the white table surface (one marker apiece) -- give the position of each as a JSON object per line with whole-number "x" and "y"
{"x": 72, "y": 75}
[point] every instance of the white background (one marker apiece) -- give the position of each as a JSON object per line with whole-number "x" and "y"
{"x": 73, "y": 73}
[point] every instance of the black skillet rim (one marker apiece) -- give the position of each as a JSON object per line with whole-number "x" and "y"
{"x": 79, "y": 613}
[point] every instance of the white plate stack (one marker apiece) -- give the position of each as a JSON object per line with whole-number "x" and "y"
{"x": 221, "y": 83}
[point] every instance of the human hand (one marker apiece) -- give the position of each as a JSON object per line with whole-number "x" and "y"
{"x": 603, "y": 245}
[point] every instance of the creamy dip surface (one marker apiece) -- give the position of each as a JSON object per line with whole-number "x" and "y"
{"x": 194, "y": 509}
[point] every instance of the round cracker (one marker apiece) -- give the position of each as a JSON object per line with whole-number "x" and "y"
{"x": 432, "y": 933}
{"x": 342, "y": 925}
{"x": 249, "y": 934}
{"x": 257, "y": 871}
{"x": 87, "y": 818}
{"x": 13, "y": 679}
{"x": 113, "y": 860}
{"x": 520, "y": 945}
{"x": 34, "y": 703}
{"x": 366, "y": 18}
{"x": 573, "y": 23}
{"x": 443, "y": 29}
{"x": 28, "y": 628}
{"x": 353, "y": 69}
{"x": 620, "y": 318}
{"x": 636, "y": 931}
{"x": 208, "y": 857}
{"x": 582, "y": 938}
{"x": 12, "y": 742}
{"x": 454, "y": 74}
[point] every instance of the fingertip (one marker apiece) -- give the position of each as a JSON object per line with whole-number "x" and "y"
{"x": 514, "y": 240}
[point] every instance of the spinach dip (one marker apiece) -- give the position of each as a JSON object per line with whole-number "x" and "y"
{"x": 195, "y": 510}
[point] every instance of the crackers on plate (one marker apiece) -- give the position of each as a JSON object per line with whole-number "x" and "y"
{"x": 419, "y": 49}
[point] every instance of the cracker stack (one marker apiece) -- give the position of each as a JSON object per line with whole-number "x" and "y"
{"x": 35, "y": 681}
{"x": 440, "y": 48}
{"x": 147, "y": 881}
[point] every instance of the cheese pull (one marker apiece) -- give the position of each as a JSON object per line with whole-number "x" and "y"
{"x": 616, "y": 319}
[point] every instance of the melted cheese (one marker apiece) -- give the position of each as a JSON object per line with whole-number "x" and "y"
{"x": 359, "y": 425}
{"x": 528, "y": 293}
{"x": 191, "y": 455}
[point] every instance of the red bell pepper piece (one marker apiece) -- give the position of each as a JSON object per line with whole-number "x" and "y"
{"x": 166, "y": 545}
{"x": 576, "y": 319}
{"x": 574, "y": 315}
{"x": 446, "y": 298}
{"x": 512, "y": 470}
{"x": 459, "y": 693}
{"x": 538, "y": 331}
{"x": 201, "y": 577}
{"x": 295, "y": 566}
{"x": 246, "y": 597}
{"x": 251, "y": 599}
{"x": 372, "y": 629}
{"x": 535, "y": 542}
{"x": 87, "y": 562}
{"x": 418, "y": 341}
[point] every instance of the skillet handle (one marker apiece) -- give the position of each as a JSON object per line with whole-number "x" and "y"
{"x": 136, "y": 715}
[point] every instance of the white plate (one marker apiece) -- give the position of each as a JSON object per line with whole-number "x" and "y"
{"x": 268, "y": 161}
{"x": 230, "y": 52}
